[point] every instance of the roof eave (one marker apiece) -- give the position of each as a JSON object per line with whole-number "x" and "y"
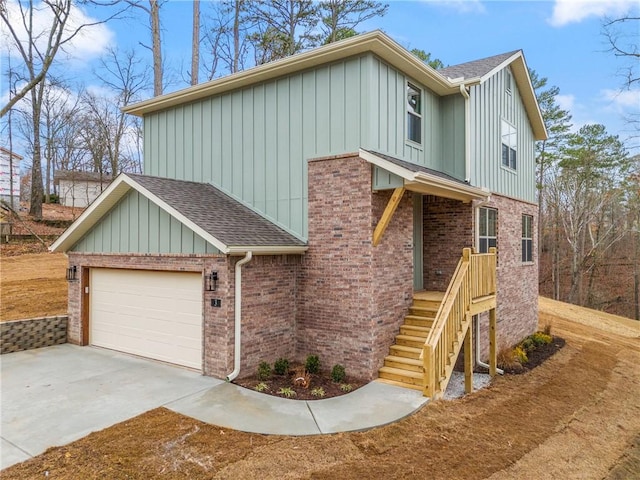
{"x": 376, "y": 42}
{"x": 427, "y": 183}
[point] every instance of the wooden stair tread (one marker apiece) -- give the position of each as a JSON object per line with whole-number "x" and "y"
{"x": 416, "y": 317}
{"x": 433, "y": 310}
{"x": 417, "y": 328}
{"x": 407, "y": 360}
{"x": 411, "y": 338}
{"x": 399, "y": 384}
{"x": 402, "y": 373}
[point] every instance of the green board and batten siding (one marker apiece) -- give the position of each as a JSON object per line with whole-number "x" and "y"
{"x": 254, "y": 143}
{"x": 490, "y": 103}
{"x": 136, "y": 225}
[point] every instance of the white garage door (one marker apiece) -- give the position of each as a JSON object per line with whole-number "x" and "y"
{"x": 152, "y": 314}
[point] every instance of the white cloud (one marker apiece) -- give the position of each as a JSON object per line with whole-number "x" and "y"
{"x": 622, "y": 101}
{"x": 89, "y": 43}
{"x": 574, "y": 11}
{"x": 460, "y": 6}
{"x": 566, "y": 102}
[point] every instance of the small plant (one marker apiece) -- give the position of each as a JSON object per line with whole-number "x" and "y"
{"x": 281, "y": 366}
{"x": 528, "y": 345}
{"x": 318, "y": 392}
{"x": 287, "y": 392}
{"x": 346, "y": 387}
{"x": 508, "y": 360}
{"x": 264, "y": 371}
{"x": 261, "y": 387}
{"x": 312, "y": 365}
{"x": 540, "y": 339}
{"x": 547, "y": 329}
{"x": 520, "y": 355}
{"x": 338, "y": 373}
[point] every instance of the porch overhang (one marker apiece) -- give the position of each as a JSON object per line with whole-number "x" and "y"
{"x": 419, "y": 179}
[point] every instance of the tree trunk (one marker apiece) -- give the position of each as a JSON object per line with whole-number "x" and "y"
{"x": 36, "y": 169}
{"x": 236, "y": 35}
{"x": 195, "y": 43}
{"x": 156, "y": 47}
{"x": 556, "y": 256}
{"x": 636, "y": 270}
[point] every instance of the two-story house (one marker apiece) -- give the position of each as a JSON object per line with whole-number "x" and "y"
{"x": 319, "y": 204}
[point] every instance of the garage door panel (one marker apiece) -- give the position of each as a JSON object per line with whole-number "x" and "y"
{"x": 151, "y": 314}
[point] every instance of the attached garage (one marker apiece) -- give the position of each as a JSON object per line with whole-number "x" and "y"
{"x": 148, "y": 313}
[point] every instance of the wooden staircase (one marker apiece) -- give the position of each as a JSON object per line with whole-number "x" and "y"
{"x": 438, "y": 324}
{"x": 403, "y": 366}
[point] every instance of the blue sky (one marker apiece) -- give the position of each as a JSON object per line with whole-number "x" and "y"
{"x": 561, "y": 40}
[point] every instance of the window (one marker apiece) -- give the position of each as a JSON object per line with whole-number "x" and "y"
{"x": 487, "y": 229}
{"x": 509, "y": 145}
{"x": 414, "y": 113}
{"x": 507, "y": 82}
{"x": 527, "y": 238}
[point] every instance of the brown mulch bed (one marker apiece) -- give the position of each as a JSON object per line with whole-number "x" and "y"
{"x": 321, "y": 380}
{"x": 537, "y": 356}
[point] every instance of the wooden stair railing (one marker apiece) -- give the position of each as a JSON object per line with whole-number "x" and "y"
{"x": 472, "y": 290}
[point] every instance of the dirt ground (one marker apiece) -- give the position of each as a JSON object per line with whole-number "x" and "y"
{"x": 32, "y": 285}
{"x": 577, "y": 416}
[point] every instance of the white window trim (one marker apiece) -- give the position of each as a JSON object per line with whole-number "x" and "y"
{"x": 477, "y": 229}
{"x": 512, "y": 130}
{"x": 527, "y": 262}
{"x": 414, "y": 85}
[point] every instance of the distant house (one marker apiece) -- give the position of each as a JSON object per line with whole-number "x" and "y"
{"x": 79, "y": 189}
{"x": 345, "y": 202}
{"x": 10, "y": 177}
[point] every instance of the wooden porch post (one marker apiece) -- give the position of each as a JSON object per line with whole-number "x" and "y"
{"x": 429, "y": 372}
{"x": 468, "y": 358}
{"x": 493, "y": 355}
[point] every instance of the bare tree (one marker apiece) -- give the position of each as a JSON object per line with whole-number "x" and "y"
{"x": 153, "y": 11}
{"x": 38, "y": 57}
{"x": 195, "y": 43}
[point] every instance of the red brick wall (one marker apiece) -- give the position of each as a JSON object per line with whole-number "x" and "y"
{"x": 448, "y": 228}
{"x": 517, "y": 312}
{"x": 391, "y": 275}
{"x": 269, "y": 292}
{"x": 352, "y": 296}
{"x": 268, "y": 308}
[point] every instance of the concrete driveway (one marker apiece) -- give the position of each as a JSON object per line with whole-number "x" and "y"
{"x": 53, "y": 396}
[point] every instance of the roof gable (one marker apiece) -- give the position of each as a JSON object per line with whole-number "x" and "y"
{"x": 218, "y": 218}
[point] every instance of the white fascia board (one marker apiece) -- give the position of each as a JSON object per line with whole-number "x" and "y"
{"x": 426, "y": 179}
{"x": 267, "y": 250}
{"x": 107, "y": 200}
{"x": 101, "y": 205}
{"x": 386, "y": 165}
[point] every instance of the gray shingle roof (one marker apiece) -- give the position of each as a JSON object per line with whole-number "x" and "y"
{"x": 476, "y": 68}
{"x": 217, "y": 213}
{"x": 412, "y": 167}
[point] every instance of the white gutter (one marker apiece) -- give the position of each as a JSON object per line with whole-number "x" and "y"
{"x": 238, "y": 316}
{"x": 467, "y": 134}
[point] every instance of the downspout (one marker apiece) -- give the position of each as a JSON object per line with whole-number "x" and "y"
{"x": 238, "y": 316}
{"x": 467, "y": 134}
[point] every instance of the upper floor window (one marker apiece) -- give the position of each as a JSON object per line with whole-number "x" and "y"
{"x": 414, "y": 113}
{"x": 527, "y": 238}
{"x": 487, "y": 229}
{"x": 509, "y": 145}
{"x": 507, "y": 82}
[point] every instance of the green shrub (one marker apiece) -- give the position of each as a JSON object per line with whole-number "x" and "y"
{"x": 528, "y": 345}
{"x": 312, "y": 365}
{"x": 53, "y": 198}
{"x": 338, "y": 373}
{"x": 540, "y": 339}
{"x": 264, "y": 371}
{"x": 281, "y": 366}
{"x": 261, "y": 387}
{"x": 318, "y": 392}
{"x": 346, "y": 387}
{"x": 287, "y": 392}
